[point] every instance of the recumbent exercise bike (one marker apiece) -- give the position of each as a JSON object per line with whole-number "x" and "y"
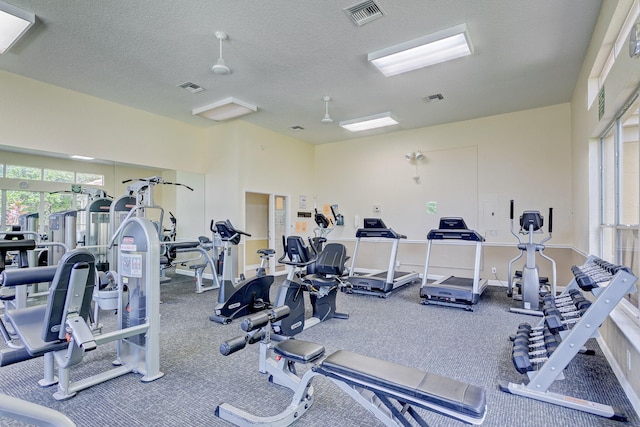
{"x": 322, "y": 286}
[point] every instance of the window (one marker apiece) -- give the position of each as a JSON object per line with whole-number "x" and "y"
{"x": 20, "y": 203}
{"x": 15, "y": 203}
{"x": 620, "y": 193}
{"x": 23, "y": 172}
{"x": 89, "y": 178}
{"x": 58, "y": 176}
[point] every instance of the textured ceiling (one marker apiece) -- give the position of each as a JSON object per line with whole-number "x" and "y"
{"x": 286, "y": 55}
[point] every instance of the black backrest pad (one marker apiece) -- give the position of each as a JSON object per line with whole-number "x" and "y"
{"x": 331, "y": 260}
{"x": 296, "y": 249}
{"x": 58, "y": 291}
{"x": 433, "y": 389}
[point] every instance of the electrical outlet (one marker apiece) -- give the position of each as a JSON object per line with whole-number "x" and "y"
{"x": 494, "y": 270}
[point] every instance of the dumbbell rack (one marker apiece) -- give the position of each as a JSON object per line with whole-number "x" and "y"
{"x": 609, "y": 284}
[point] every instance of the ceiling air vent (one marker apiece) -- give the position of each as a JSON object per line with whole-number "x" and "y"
{"x": 191, "y": 87}
{"x": 433, "y": 98}
{"x": 364, "y": 12}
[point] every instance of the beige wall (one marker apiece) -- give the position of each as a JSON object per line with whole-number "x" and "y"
{"x": 43, "y": 117}
{"x": 472, "y": 169}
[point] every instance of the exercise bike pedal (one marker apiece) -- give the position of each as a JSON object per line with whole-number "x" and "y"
{"x": 259, "y": 305}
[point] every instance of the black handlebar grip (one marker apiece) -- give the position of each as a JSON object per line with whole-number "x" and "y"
{"x": 511, "y": 210}
{"x": 550, "y": 220}
{"x": 234, "y": 344}
{"x": 255, "y": 321}
{"x": 212, "y": 226}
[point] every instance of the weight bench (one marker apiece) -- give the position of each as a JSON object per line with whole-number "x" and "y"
{"x": 388, "y": 390}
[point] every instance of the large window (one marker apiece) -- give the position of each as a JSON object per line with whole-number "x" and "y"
{"x": 620, "y": 192}
{"x": 16, "y": 202}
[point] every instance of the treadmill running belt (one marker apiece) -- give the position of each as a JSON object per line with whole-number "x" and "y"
{"x": 396, "y": 274}
{"x": 462, "y": 282}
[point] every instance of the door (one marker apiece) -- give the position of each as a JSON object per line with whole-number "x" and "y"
{"x": 266, "y": 220}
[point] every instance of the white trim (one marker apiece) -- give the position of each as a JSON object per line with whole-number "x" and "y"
{"x": 619, "y": 373}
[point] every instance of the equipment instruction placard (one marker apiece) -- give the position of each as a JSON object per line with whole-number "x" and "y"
{"x": 131, "y": 265}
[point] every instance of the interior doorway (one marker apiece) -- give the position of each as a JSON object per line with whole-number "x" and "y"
{"x": 267, "y": 221}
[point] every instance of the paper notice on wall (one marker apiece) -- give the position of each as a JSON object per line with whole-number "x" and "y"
{"x": 301, "y": 227}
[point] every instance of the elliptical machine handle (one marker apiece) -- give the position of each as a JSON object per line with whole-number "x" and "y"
{"x": 212, "y": 226}
{"x": 511, "y": 210}
{"x": 550, "y": 220}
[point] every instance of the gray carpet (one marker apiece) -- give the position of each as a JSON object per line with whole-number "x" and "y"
{"x": 468, "y": 346}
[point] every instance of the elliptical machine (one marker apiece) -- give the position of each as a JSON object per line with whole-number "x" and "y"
{"x": 528, "y": 281}
{"x": 322, "y": 285}
{"x": 247, "y": 296}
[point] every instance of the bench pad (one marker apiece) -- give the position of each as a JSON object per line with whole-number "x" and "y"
{"x": 31, "y": 320}
{"x": 434, "y": 389}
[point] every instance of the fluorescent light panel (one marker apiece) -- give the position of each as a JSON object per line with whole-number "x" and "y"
{"x": 369, "y": 122}
{"x": 79, "y": 157}
{"x": 422, "y": 52}
{"x": 14, "y": 23}
{"x": 228, "y": 108}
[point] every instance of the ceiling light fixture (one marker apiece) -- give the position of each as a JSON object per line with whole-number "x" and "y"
{"x": 422, "y": 52}
{"x": 327, "y": 120}
{"x": 369, "y": 122}
{"x": 14, "y": 23}
{"x": 221, "y": 68}
{"x": 79, "y": 157}
{"x": 228, "y": 108}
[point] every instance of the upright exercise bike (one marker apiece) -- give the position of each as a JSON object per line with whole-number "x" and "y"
{"x": 528, "y": 280}
{"x": 247, "y": 296}
{"x": 322, "y": 286}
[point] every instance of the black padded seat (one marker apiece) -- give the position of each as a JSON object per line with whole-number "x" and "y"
{"x": 38, "y": 327}
{"x": 299, "y": 351}
{"x": 445, "y": 392}
{"x": 31, "y": 320}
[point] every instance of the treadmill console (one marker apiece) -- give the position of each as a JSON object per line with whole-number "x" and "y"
{"x": 454, "y": 228}
{"x": 375, "y": 227}
{"x": 374, "y": 223}
{"x": 452, "y": 223}
{"x": 529, "y": 218}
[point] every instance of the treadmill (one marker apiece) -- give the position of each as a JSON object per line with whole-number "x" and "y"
{"x": 461, "y": 292}
{"x": 380, "y": 283}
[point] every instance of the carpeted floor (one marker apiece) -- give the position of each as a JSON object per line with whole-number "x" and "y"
{"x": 468, "y": 346}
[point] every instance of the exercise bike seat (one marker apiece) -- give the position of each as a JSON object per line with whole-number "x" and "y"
{"x": 266, "y": 251}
